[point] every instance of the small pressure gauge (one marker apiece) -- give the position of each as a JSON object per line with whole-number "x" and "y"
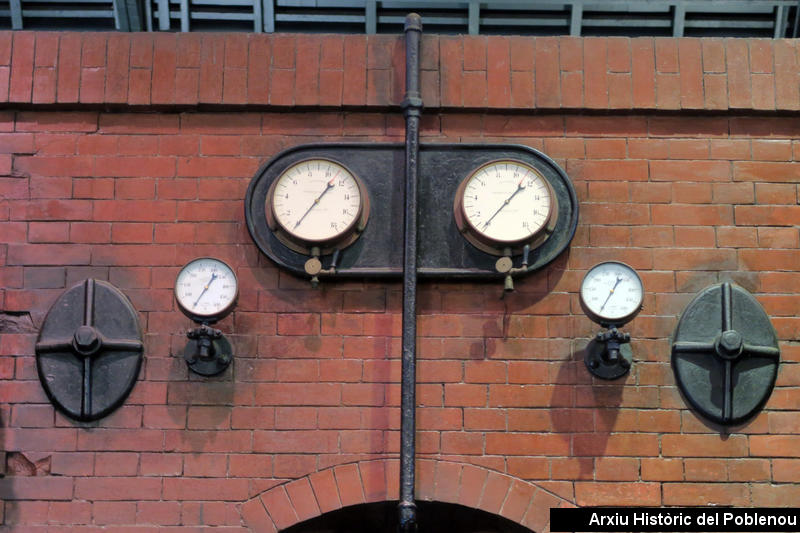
{"x": 206, "y": 289}
{"x": 611, "y": 293}
{"x": 504, "y": 205}
{"x": 317, "y": 203}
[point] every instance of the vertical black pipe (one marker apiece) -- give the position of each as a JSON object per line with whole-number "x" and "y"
{"x": 412, "y": 109}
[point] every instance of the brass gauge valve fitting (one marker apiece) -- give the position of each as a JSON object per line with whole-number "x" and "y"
{"x": 313, "y": 266}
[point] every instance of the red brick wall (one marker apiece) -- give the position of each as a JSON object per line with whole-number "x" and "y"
{"x": 124, "y": 156}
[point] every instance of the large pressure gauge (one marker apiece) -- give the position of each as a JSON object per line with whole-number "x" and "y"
{"x": 206, "y": 289}
{"x": 504, "y": 205}
{"x": 317, "y": 203}
{"x": 611, "y": 293}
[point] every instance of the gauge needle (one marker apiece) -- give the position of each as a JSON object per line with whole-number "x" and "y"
{"x": 619, "y": 279}
{"x": 520, "y": 187}
{"x": 328, "y": 187}
{"x": 205, "y": 288}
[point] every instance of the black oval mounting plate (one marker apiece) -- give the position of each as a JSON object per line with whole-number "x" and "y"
{"x": 89, "y": 350}
{"x": 442, "y": 250}
{"x": 725, "y": 354}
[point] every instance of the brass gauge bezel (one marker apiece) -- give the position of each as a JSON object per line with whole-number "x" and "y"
{"x": 493, "y": 245}
{"x": 341, "y": 239}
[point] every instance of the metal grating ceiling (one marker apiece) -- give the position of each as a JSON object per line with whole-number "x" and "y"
{"x": 101, "y": 15}
{"x": 698, "y": 18}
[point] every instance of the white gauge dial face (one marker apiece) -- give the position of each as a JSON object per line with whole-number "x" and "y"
{"x": 316, "y": 200}
{"x": 612, "y": 291}
{"x": 206, "y": 287}
{"x": 507, "y": 201}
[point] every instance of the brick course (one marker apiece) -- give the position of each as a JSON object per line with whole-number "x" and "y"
{"x": 124, "y": 156}
{"x": 547, "y": 73}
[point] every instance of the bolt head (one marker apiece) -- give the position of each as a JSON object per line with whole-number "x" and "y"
{"x": 731, "y": 340}
{"x": 86, "y": 340}
{"x": 730, "y": 344}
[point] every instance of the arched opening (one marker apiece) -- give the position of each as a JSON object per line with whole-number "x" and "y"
{"x": 448, "y": 494}
{"x": 432, "y": 516}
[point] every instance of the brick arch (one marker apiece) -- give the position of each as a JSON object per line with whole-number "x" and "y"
{"x": 377, "y": 480}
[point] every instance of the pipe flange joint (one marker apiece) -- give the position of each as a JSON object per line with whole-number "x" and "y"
{"x": 412, "y": 104}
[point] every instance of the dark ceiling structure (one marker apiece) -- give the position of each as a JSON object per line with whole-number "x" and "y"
{"x": 632, "y": 18}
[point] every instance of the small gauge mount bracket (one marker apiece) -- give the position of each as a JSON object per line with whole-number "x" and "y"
{"x": 206, "y": 290}
{"x": 611, "y": 295}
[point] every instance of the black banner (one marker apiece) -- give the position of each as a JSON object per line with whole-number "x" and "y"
{"x": 705, "y": 519}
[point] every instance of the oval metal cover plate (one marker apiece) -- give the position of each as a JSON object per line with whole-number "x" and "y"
{"x": 89, "y": 350}
{"x": 725, "y": 354}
